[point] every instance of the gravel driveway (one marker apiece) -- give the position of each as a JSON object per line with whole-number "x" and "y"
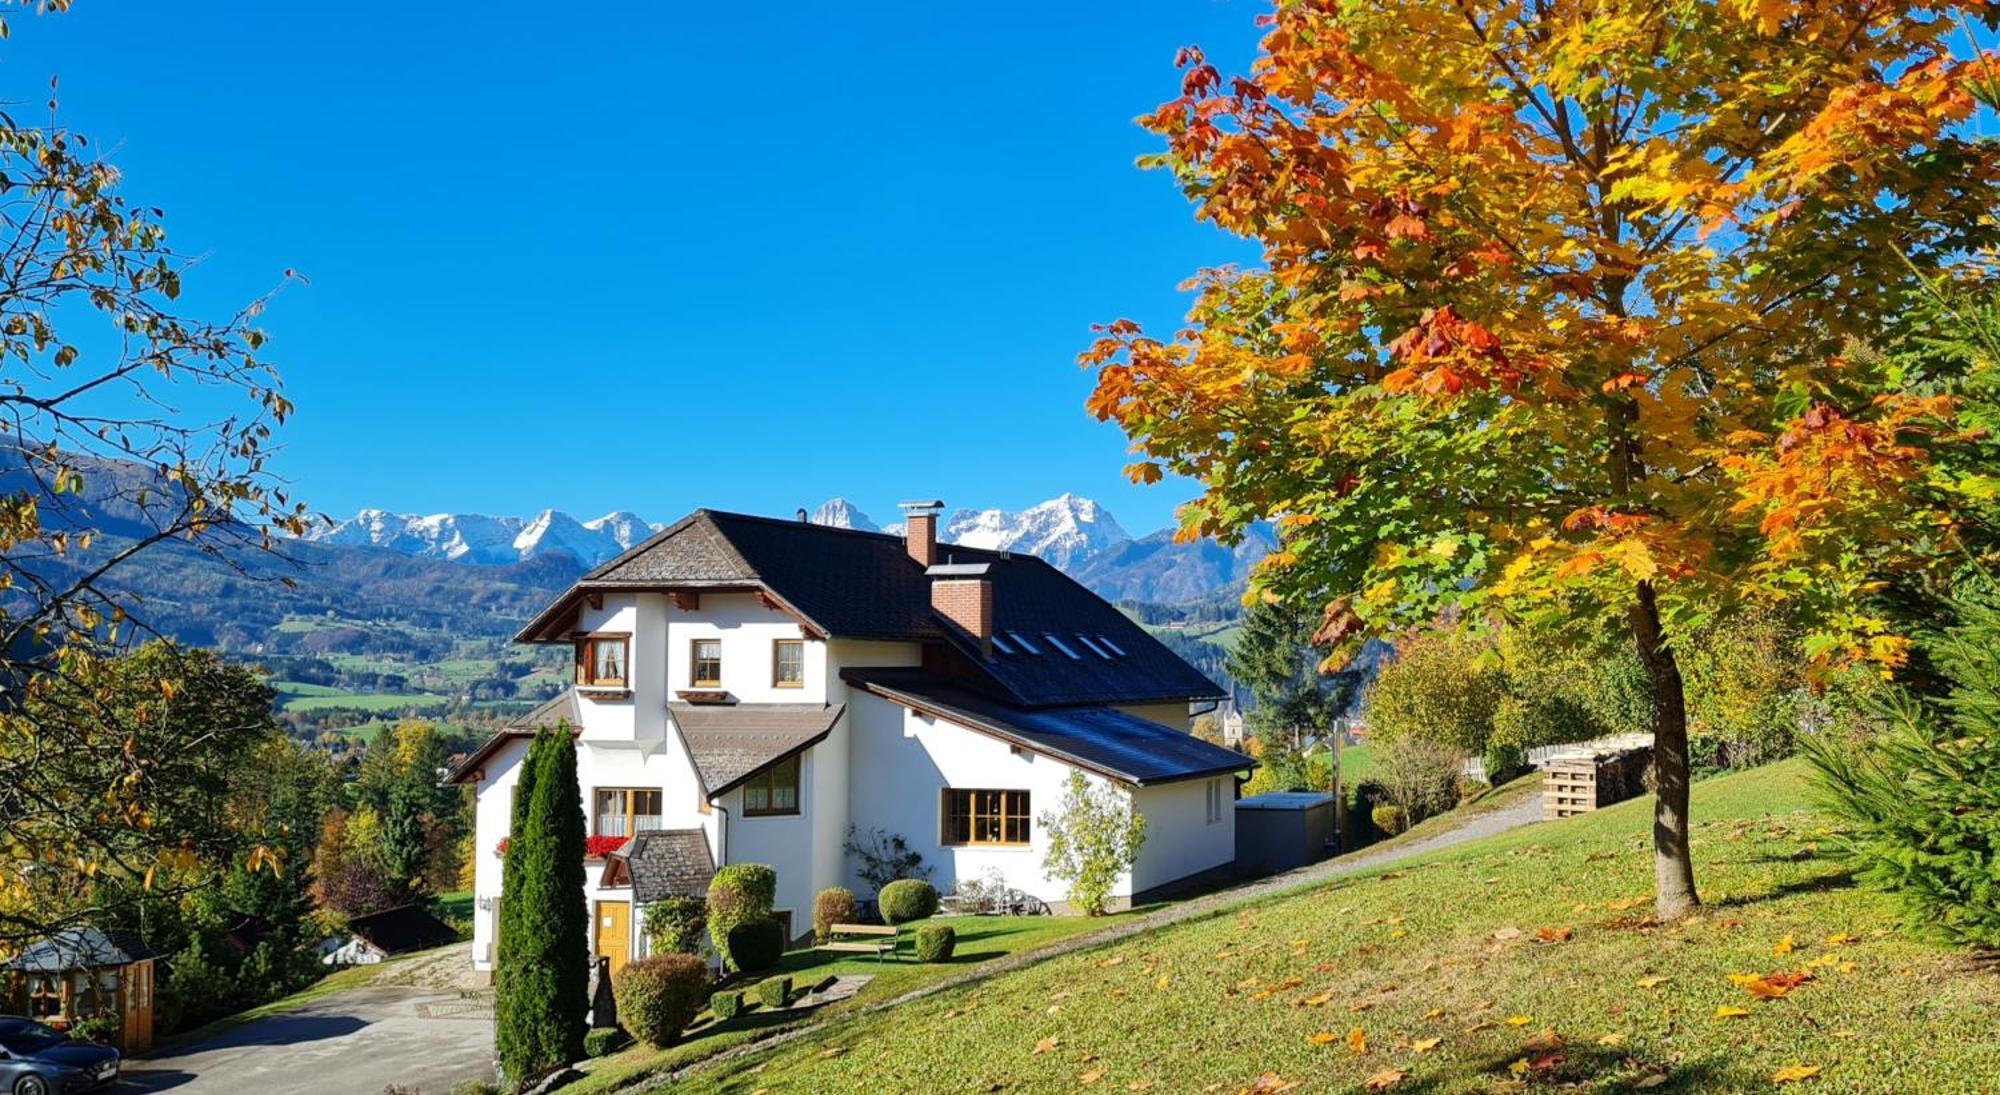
{"x": 356, "y": 1042}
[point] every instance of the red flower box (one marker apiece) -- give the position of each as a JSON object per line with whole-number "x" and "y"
{"x": 594, "y": 847}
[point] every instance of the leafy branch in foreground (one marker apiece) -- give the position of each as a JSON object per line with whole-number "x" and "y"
{"x": 126, "y": 426}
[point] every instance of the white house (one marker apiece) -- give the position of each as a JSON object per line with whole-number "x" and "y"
{"x": 750, "y": 689}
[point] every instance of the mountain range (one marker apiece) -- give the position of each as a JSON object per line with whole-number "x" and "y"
{"x": 1074, "y": 533}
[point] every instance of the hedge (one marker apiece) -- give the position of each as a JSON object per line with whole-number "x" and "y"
{"x": 830, "y": 907}
{"x": 726, "y": 1005}
{"x": 773, "y": 993}
{"x": 738, "y": 894}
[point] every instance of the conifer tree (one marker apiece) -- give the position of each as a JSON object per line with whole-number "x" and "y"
{"x": 544, "y": 959}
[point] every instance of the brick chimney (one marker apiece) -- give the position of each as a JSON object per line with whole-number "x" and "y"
{"x": 920, "y": 530}
{"x": 963, "y": 594}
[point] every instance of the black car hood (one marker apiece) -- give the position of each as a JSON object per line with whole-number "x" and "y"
{"x": 74, "y": 1055}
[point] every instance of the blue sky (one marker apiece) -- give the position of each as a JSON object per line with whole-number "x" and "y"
{"x": 655, "y": 256}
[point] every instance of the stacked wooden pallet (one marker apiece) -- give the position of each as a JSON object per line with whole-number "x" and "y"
{"x": 1579, "y": 782}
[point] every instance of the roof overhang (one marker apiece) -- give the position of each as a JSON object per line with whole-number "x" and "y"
{"x": 726, "y": 757}
{"x": 557, "y": 622}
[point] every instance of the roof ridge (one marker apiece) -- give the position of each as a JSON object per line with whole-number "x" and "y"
{"x": 793, "y": 522}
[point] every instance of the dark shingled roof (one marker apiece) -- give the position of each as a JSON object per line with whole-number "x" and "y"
{"x": 864, "y": 585}
{"x": 557, "y": 712}
{"x": 80, "y": 949}
{"x": 1104, "y": 740}
{"x": 403, "y": 928}
{"x": 664, "y": 862}
{"x": 730, "y": 744}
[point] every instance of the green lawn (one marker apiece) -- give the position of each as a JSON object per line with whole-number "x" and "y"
{"x": 980, "y": 939}
{"x": 1525, "y": 961}
{"x": 365, "y": 701}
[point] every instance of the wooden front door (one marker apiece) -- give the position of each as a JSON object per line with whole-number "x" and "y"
{"x": 614, "y": 932}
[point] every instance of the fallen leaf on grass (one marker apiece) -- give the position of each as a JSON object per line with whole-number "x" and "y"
{"x": 1553, "y": 935}
{"x": 1045, "y": 1045}
{"x": 1839, "y": 939}
{"x": 1359, "y": 1006}
{"x": 1652, "y": 1080}
{"x": 1357, "y": 1041}
{"x": 1090, "y": 1077}
{"x": 1384, "y": 1080}
{"x": 1519, "y": 1020}
{"x": 1547, "y": 1041}
{"x": 1315, "y": 1001}
{"x": 1784, "y": 946}
{"x": 1730, "y": 1012}
{"x": 833, "y": 1051}
{"x": 1791, "y": 1074}
{"x": 1651, "y": 982}
{"x": 1323, "y": 1038}
{"x": 1433, "y": 1013}
{"x": 1425, "y": 1045}
{"x": 1507, "y": 933}
{"x": 1770, "y": 986}
{"x": 1611, "y": 1040}
{"x": 1163, "y": 982}
{"x": 1269, "y": 1084}
{"x": 1139, "y": 1085}
{"x": 1627, "y": 903}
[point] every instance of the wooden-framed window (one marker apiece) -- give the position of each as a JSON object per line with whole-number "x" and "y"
{"x": 626, "y": 811}
{"x": 788, "y": 663}
{"x": 706, "y": 670}
{"x": 986, "y": 817}
{"x": 775, "y": 790}
{"x": 601, "y": 661}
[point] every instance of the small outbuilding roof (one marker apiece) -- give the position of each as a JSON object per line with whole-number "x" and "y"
{"x": 80, "y": 949}
{"x": 665, "y": 862}
{"x": 732, "y": 742}
{"x": 1285, "y": 800}
{"x": 403, "y": 928}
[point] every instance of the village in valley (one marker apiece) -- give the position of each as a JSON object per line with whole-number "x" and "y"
{"x": 1563, "y": 659}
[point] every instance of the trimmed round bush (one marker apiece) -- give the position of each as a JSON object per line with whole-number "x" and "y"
{"x": 738, "y": 894}
{"x": 1388, "y": 818}
{"x": 658, "y": 996}
{"x": 907, "y": 899}
{"x": 726, "y": 1005}
{"x": 603, "y": 1041}
{"x": 935, "y": 942}
{"x": 832, "y": 906}
{"x": 758, "y": 945}
{"x": 773, "y": 992}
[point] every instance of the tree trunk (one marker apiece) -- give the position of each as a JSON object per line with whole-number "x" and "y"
{"x": 1673, "y": 867}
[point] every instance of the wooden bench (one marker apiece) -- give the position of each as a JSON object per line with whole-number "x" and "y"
{"x": 879, "y": 939}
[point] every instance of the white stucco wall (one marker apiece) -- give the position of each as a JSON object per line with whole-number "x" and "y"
{"x": 1180, "y": 838}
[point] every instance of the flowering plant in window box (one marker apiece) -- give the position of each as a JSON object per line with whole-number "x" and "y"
{"x": 594, "y": 847}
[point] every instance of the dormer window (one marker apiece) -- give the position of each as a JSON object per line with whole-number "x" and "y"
{"x": 707, "y": 664}
{"x": 601, "y": 661}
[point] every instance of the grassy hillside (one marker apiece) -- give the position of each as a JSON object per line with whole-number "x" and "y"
{"x": 1522, "y": 962}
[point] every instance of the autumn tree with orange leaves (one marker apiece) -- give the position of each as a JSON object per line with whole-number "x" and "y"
{"x": 1553, "y": 312}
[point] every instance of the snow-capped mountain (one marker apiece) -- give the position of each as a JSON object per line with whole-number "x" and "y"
{"x": 478, "y": 538}
{"x": 1067, "y": 531}
{"x": 1074, "y": 533}
{"x": 841, "y": 513}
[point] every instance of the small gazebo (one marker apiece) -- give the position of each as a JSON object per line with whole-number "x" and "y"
{"x": 81, "y": 974}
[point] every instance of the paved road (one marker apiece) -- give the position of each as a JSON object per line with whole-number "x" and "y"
{"x": 357, "y": 1042}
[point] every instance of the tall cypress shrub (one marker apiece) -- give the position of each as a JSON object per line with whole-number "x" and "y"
{"x": 544, "y": 975}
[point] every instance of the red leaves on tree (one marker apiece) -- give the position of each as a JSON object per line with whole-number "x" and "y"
{"x": 1445, "y": 354}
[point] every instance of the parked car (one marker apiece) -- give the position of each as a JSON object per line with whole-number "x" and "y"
{"x": 36, "y": 1059}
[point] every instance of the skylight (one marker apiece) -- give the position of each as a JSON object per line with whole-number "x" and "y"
{"x": 1024, "y": 644}
{"x": 1111, "y": 646}
{"x": 1094, "y": 648}
{"x": 1000, "y": 644}
{"x": 1060, "y": 645}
